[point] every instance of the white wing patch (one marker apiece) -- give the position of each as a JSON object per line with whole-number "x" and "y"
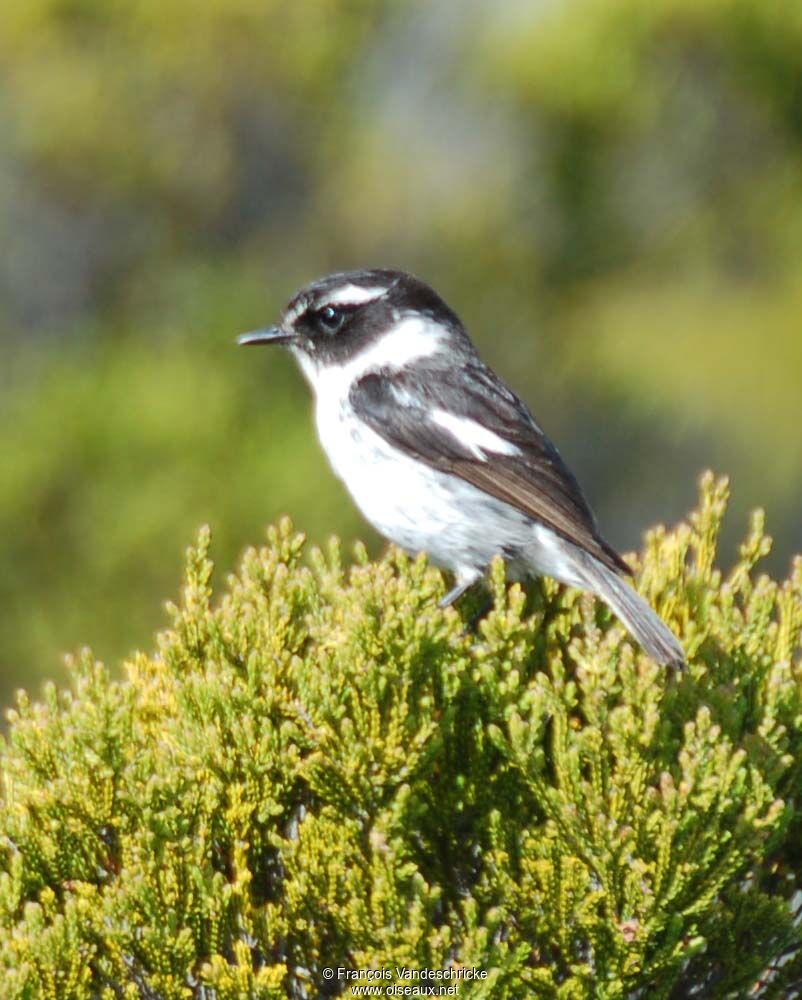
{"x": 471, "y": 435}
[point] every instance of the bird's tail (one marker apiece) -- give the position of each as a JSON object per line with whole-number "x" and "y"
{"x": 633, "y": 611}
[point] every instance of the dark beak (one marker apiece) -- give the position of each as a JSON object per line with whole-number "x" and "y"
{"x": 270, "y": 335}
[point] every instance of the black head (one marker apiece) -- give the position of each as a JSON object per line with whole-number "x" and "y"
{"x": 335, "y": 318}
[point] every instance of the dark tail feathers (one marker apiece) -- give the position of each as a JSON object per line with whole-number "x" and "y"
{"x": 633, "y": 611}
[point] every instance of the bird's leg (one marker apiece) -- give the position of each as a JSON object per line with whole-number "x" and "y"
{"x": 464, "y": 582}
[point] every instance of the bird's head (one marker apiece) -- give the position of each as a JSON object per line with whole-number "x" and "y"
{"x": 379, "y": 317}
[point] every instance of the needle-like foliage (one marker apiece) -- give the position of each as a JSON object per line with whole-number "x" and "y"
{"x": 321, "y": 769}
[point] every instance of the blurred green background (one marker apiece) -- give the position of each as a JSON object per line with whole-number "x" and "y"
{"x": 609, "y": 192}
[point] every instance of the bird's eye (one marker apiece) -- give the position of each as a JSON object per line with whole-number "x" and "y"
{"x": 330, "y": 319}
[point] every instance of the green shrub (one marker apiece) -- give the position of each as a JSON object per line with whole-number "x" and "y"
{"x": 323, "y": 769}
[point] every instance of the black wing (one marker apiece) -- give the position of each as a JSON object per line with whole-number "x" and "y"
{"x": 398, "y": 406}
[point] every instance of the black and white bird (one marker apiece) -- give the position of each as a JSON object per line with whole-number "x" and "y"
{"x": 438, "y": 453}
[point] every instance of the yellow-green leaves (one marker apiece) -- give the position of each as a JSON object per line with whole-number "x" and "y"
{"x": 319, "y": 768}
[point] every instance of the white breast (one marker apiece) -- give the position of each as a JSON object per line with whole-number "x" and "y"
{"x": 389, "y": 487}
{"x": 413, "y": 505}
{"x": 407, "y": 501}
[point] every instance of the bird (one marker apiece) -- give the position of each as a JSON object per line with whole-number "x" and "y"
{"x": 438, "y": 453}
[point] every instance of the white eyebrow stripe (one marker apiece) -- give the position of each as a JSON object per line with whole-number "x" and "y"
{"x": 473, "y": 436}
{"x": 292, "y": 314}
{"x": 353, "y": 295}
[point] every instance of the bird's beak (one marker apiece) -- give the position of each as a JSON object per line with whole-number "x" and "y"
{"x": 270, "y": 335}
